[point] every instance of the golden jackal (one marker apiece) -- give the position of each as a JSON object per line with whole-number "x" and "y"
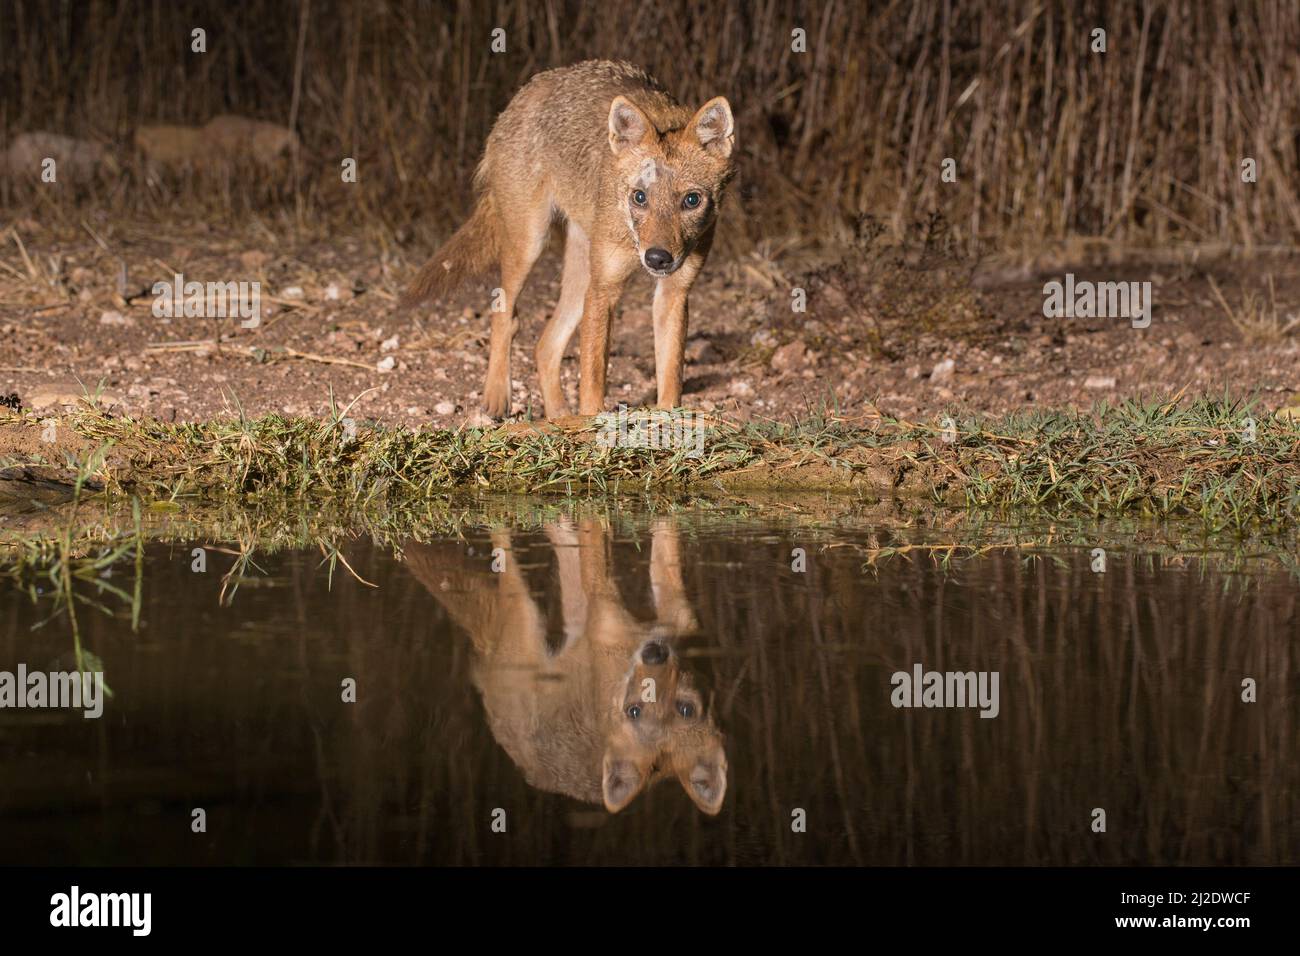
{"x": 607, "y": 709}
{"x": 638, "y": 180}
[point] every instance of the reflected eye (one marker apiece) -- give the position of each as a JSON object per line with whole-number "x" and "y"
{"x": 686, "y": 709}
{"x": 638, "y": 197}
{"x": 691, "y": 200}
{"x": 634, "y": 711}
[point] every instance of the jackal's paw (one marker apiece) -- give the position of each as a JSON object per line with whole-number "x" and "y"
{"x": 496, "y": 400}
{"x": 556, "y": 409}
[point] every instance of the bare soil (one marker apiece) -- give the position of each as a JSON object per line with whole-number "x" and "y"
{"x": 878, "y": 330}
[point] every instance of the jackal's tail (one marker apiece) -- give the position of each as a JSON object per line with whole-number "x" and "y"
{"x": 471, "y": 251}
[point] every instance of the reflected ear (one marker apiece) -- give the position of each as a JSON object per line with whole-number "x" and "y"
{"x": 628, "y": 126}
{"x": 715, "y": 127}
{"x": 621, "y": 780}
{"x": 704, "y": 777}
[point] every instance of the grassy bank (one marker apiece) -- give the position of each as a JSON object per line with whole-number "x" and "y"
{"x": 1159, "y": 458}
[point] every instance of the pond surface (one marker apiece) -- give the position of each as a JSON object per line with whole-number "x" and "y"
{"x": 736, "y": 700}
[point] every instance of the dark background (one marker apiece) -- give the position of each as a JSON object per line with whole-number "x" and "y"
{"x": 1142, "y": 143}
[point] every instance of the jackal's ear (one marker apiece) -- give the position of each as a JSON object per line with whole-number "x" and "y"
{"x": 703, "y": 775}
{"x": 621, "y": 780}
{"x": 715, "y": 127}
{"x": 628, "y": 126}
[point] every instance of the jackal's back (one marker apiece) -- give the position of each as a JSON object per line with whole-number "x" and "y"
{"x": 556, "y": 127}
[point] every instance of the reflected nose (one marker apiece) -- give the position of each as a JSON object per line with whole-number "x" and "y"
{"x": 654, "y": 654}
{"x": 658, "y": 258}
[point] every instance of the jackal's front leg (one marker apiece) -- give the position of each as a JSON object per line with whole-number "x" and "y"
{"x": 573, "y": 598}
{"x": 610, "y": 267}
{"x": 593, "y": 358}
{"x": 672, "y": 608}
{"x": 671, "y": 318}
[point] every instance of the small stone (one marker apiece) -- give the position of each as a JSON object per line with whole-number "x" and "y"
{"x": 700, "y": 351}
{"x": 1099, "y": 381}
{"x": 741, "y": 389}
{"x": 292, "y": 292}
{"x": 943, "y": 371}
{"x": 114, "y": 318}
{"x": 388, "y": 345}
{"x": 386, "y": 365}
{"x": 445, "y": 408}
{"x": 788, "y": 357}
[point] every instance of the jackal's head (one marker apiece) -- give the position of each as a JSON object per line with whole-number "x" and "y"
{"x": 671, "y": 181}
{"x": 661, "y": 728}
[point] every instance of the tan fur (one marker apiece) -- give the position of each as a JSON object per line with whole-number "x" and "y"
{"x": 74, "y": 158}
{"x": 577, "y": 143}
{"x": 232, "y": 137}
{"x": 562, "y": 714}
{"x": 223, "y": 140}
{"x": 170, "y": 145}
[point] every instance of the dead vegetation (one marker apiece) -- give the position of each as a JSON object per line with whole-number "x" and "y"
{"x": 1257, "y": 318}
{"x": 1050, "y": 138}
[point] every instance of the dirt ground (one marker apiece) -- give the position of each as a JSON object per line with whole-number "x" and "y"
{"x": 880, "y": 328}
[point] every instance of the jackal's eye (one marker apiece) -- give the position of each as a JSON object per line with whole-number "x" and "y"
{"x": 634, "y": 711}
{"x": 686, "y": 709}
{"x": 691, "y": 200}
{"x": 638, "y": 197}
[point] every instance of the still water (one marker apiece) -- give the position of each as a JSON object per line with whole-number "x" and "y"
{"x": 735, "y": 685}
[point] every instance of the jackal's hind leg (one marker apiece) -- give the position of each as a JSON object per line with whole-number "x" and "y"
{"x": 564, "y": 321}
{"x": 522, "y": 239}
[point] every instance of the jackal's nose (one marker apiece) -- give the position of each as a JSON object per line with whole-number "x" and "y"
{"x": 654, "y": 654}
{"x": 658, "y": 258}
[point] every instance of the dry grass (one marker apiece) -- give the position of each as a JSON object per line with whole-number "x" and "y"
{"x": 1258, "y": 319}
{"x": 1140, "y": 144}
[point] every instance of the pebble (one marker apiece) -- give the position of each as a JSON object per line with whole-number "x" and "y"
{"x": 943, "y": 371}
{"x": 789, "y": 356}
